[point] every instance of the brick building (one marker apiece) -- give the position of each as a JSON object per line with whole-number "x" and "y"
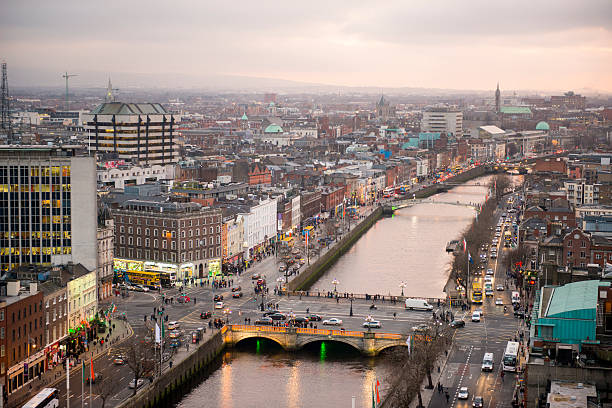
{"x": 576, "y": 249}
{"x": 331, "y": 197}
{"x": 55, "y": 320}
{"x": 185, "y": 234}
{"x": 310, "y": 204}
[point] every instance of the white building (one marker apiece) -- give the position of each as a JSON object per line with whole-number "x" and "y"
{"x": 106, "y": 253}
{"x": 259, "y": 226}
{"x": 579, "y": 192}
{"x": 82, "y": 297}
{"x": 235, "y": 237}
{"x": 442, "y": 120}
{"x": 296, "y": 213}
{"x": 118, "y": 177}
{"x": 422, "y": 167}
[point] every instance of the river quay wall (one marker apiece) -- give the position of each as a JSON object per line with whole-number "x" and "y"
{"x": 168, "y": 389}
{"x": 312, "y": 273}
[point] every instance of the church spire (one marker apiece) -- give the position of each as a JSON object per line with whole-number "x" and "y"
{"x": 497, "y": 98}
{"x": 109, "y": 92}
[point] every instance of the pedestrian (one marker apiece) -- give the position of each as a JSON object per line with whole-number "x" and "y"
{"x": 447, "y": 397}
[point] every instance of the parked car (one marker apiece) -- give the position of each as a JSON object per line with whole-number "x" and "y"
{"x": 332, "y": 322}
{"x": 136, "y": 384}
{"x": 205, "y": 315}
{"x": 519, "y": 313}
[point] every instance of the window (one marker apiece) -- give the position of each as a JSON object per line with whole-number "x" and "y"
{"x": 582, "y": 244}
{"x": 2, "y": 315}
{"x": 122, "y": 240}
{"x": 147, "y": 242}
{"x": 130, "y": 240}
{"x": 138, "y": 231}
{"x": 582, "y": 254}
{"x": 130, "y": 230}
{"x": 211, "y": 230}
{"x": 183, "y": 234}
{"x": 2, "y": 333}
{"x": 121, "y": 229}
{"x": 569, "y": 244}
{"x": 597, "y": 256}
{"x": 569, "y": 254}
{"x": 138, "y": 241}
{"x": 147, "y": 231}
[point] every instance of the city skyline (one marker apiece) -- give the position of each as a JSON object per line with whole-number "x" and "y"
{"x": 548, "y": 46}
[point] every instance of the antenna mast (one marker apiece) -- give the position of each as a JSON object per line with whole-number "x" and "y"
{"x": 67, "y": 76}
{"x": 5, "y": 111}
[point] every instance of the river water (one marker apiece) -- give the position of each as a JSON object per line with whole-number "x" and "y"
{"x": 408, "y": 247}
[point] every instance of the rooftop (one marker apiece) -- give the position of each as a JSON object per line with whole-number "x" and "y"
{"x": 576, "y": 296}
{"x": 120, "y": 108}
{"x": 515, "y": 110}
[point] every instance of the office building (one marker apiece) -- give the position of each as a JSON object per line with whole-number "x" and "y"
{"x": 141, "y": 133}
{"x": 442, "y": 120}
{"x": 43, "y": 189}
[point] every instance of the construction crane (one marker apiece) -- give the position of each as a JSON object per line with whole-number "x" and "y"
{"x": 67, "y": 75}
{"x": 5, "y": 109}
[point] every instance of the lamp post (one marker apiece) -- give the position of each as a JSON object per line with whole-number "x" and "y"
{"x": 402, "y": 285}
{"x": 351, "y": 312}
{"x": 335, "y": 283}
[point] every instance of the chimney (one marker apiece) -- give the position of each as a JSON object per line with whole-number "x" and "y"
{"x": 33, "y": 288}
{"x": 12, "y": 288}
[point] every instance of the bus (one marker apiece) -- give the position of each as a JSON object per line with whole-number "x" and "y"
{"x": 476, "y": 292}
{"x": 46, "y": 398}
{"x": 146, "y": 278}
{"x": 510, "y": 359}
{"x": 388, "y": 192}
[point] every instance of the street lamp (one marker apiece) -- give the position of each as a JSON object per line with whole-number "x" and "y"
{"x": 402, "y": 285}
{"x": 335, "y": 283}
{"x": 351, "y": 312}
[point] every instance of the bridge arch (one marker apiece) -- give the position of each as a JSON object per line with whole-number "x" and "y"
{"x": 333, "y": 339}
{"x": 388, "y": 346}
{"x": 260, "y": 336}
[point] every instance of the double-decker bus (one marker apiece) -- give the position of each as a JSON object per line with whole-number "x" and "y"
{"x": 146, "y": 278}
{"x": 476, "y": 292}
{"x": 46, "y": 398}
{"x": 388, "y": 192}
{"x": 510, "y": 359}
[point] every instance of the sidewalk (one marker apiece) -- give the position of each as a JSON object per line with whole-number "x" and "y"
{"x": 53, "y": 377}
{"x": 436, "y": 377}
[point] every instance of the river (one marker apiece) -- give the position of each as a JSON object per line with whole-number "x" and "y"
{"x": 408, "y": 247}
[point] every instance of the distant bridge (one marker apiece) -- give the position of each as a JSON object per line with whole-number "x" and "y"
{"x": 399, "y": 204}
{"x": 291, "y": 338}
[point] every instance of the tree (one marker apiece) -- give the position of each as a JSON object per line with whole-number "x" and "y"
{"x": 500, "y": 183}
{"x": 105, "y": 388}
{"x": 139, "y": 357}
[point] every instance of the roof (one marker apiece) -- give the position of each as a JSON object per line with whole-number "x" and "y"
{"x": 515, "y": 110}
{"x": 120, "y": 108}
{"x": 542, "y": 126}
{"x": 574, "y": 296}
{"x": 273, "y": 128}
{"x": 494, "y": 130}
{"x": 244, "y": 117}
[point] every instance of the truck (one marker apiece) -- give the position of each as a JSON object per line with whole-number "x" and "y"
{"x": 417, "y": 304}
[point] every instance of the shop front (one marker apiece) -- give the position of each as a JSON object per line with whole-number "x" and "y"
{"x": 25, "y": 371}
{"x": 55, "y": 353}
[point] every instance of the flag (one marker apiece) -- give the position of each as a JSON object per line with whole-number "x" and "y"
{"x": 470, "y": 260}
{"x": 157, "y": 333}
{"x": 92, "y": 375}
{"x": 464, "y": 245}
{"x": 373, "y": 400}
{"x": 409, "y": 343}
{"x": 83, "y": 369}
{"x": 377, "y": 394}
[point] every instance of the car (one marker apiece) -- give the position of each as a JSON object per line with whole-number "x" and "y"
{"x": 519, "y": 313}
{"x": 96, "y": 377}
{"x": 277, "y": 316}
{"x": 499, "y": 302}
{"x": 420, "y": 328}
{"x": 477, "y": 402}
{"x": 218, "y": 298}
{"x": 261, "y": 281}
{"x": 499, "y": 287}
{"x": 175, "y": 343}
{"x": 237, "y": 289}
{"x": 264, "y": 321}
{"x": 476, "y": 317}
{"x": 237, "y": 295}
{"x": 205, "y": 315}
{"x": 136, "y": 384}
{"x": 314, "y": 317}
{"x": 256, "y": 276}
{"x": 269, "y": 312}
{"x": 174, "y": 334}
{"x": 219, "y": 305}
{"x": 119, "y": 360}
{"x": 173, "y": 325}
{"x": 300, "y": 320}
{"x": 494, "y": 255}
{"x": 489, "y": 271}
{"x": 455, "y": 324}
{"x": 463, "y": 393}
{"x": 183, "y": 299}
{"x": 372, "y": 324}
{"x": 334, "y": 321}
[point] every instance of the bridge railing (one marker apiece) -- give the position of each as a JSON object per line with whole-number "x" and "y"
{"x": 252, "y": 328}
{"x": 388, "y": 336}
{"x": 359, "y": 296}
{"x": 317, "y": 332}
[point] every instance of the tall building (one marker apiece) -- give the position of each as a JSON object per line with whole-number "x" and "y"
{"x": 497, "y": 99}
{"x": 47, "y": 207}
{"x": 440, "y": 120}
{"x": 142, "y": 133}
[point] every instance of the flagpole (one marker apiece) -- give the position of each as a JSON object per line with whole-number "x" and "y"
{"x": 467, "y": 287}
{"x": 91, "y": 378}
{"x": 67, "y": 382}
{"x": 82, "y": 383}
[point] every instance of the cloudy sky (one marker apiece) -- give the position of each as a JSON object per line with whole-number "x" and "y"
{"x": 534, "y": 44}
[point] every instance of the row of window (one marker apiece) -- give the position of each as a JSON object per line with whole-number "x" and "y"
{"x": 165, "y": 233}
{"x": 169, "y": 257}
{"x": 166, "y": 223}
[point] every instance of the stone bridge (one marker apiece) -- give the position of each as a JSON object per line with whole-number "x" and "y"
{"x": 290, "y": 338}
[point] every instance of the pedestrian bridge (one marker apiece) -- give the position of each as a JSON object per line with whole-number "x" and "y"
{"x": 291, "y": 338}
{"x": 399, "y": 204}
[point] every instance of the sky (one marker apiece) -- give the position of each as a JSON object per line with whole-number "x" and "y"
{"x": 545, "y": 45}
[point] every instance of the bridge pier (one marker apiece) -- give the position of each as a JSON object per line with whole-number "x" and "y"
{"x": 369, "y": 344}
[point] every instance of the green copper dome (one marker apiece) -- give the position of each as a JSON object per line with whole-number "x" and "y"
{"x": 542, "y": 126}
{"x": 273, "y": 128}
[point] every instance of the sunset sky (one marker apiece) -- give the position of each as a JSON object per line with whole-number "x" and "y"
{"x": 543, "y": 45}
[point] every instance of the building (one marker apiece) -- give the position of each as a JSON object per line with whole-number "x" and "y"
{"x": 47, "y": 207}
{"x": 497, "y": 99}
{"x": 82, "y": 297}
{"x": 187, "y": 235}
{"x": 580, "y": 192}
{"x": 22, "y": 351}
{"x": 55, "y": 319}
{"x": 141, "y": 133}
{"x": 122, "y": 175}
{"x": 235, "y": 238}
{"x": 106, "y": 253}
{"x": 442, "y": 120}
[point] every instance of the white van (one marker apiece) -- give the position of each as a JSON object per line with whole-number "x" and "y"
{"x": 418, "y": 304}
{"x": 516, "y": 297}
{"x": 487, "y": 362}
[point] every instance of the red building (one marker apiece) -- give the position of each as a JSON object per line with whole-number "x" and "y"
{"x": 577, "y": 249}
{"x": 259, "y": 174}
{"x": 332, "y": 196}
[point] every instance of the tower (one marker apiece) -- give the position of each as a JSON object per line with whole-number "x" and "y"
{"x": 5, "y": 121}
{"x": 497, "y": 98}
{"x": 109, "y": 92}
{"x": 67, "y": 76}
